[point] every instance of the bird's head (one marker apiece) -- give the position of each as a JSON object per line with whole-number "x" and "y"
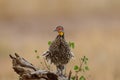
{"x": 60, "y": 30}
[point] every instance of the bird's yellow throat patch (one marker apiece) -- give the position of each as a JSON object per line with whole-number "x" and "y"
{"x": 61, "y": 33}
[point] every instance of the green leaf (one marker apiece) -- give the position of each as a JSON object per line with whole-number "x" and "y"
{"x": 37, "y": 57}
{"x": 72, "y": 45}
{"x": 49, "y": 43}
{"x": 87, "y": 59}
{"x": 76, "y": 67}
{"x": 84, "y": 57}
{"x": 82, "y": 78}
{"x": 85, "y": 62}
{"x": 35, "y": 51}
{"x": 73, "y": 78}
{"x": 86, "y": 68}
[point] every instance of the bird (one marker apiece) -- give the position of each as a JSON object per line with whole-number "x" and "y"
{"x": 59, "y": 52}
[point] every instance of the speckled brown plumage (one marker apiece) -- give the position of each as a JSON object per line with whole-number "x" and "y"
{"x": 59, "y": 53}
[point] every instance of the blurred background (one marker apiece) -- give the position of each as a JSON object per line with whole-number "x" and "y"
{"x": 94, "y": 26}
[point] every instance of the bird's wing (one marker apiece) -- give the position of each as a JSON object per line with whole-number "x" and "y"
{"x": 72, "y": 55}
{"x": 45, "y": 53}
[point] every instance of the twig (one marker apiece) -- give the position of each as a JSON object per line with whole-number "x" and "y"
{"x": 48, "y": 67}
{"x": 70, "y": 73}
{"x": 80, "y": 68}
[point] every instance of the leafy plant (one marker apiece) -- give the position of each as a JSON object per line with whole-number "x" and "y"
{"x": 82, "y": 67}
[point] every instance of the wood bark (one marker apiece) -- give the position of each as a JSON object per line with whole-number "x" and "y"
{"x": 28, "y": 71}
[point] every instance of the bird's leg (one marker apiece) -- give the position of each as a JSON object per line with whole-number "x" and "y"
{"x": 60, "y": 69}
{"x": 64, "y": 70}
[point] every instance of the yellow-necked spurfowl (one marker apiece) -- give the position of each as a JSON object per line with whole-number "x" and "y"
{"x": 59, "y": 52}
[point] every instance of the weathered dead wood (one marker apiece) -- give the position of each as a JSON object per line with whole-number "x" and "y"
{"x": 28, "y": 71}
